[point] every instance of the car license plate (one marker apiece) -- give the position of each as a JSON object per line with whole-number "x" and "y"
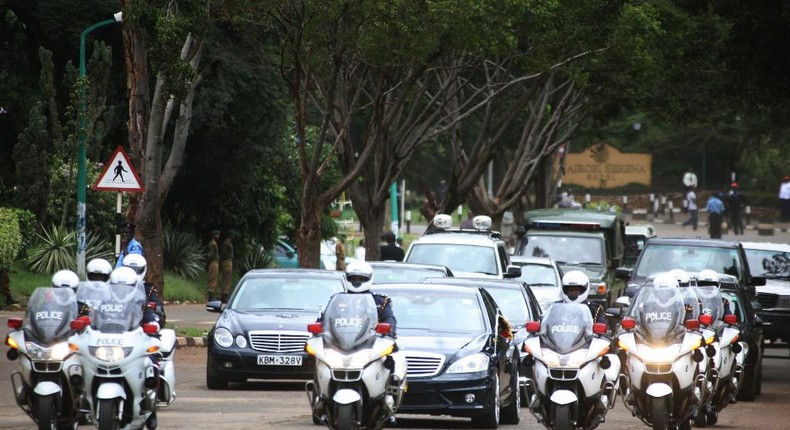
{"x": 279, "y": 360}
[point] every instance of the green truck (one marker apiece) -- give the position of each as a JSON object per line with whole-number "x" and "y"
{"x": 578, "y": 239}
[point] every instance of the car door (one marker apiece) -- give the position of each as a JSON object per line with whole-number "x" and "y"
{"x": 504, "y": 351}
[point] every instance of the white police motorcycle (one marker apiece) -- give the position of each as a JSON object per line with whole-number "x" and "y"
{"x": 664, "y": 382}
{"x": 120, "y": 378}
{"x": 359, "y": 377}
{"x": 43, "y": 385}
{"x": 574, "y": 379}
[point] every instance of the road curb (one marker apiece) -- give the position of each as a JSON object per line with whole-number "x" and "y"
{"x": 184, "y": 341}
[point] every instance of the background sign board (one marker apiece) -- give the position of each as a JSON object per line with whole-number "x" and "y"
{"x": 119, "y": 175}
{"x": 603, "y": 166}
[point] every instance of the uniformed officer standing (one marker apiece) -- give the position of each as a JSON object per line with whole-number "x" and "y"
{"x": 212, "y": 256}
{"x": 226, "y": 262}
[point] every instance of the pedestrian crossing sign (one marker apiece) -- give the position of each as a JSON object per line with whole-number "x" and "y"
{"x": 119, "y": 175}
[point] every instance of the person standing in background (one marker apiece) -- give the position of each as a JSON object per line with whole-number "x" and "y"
{"x": 226, "y": 263}
{"x": 212, "y": 257}
{"x": 784, "y": 199}
{"x": 691, "y": 199}
{"x": 715, "y": 208}
{"x": 736, "y": 203}
{"x": 391, "y": 251}
{"x": 359, "y": 253}
{"x": 340, "y": 254}
{"x": 129, "y": 245}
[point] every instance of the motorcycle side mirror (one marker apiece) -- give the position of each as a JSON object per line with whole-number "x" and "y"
{"x": 383, "y": 328}
{"x": 706, "y": 319}
{"x": 692, "y": 324}
{"x": 533, "y": 326}
{"x": 628, "y": 323}
{"x": 315, "y": 328}
{"x": 14, "y": 323}
{"x": 150, "y": 328}
{"x": 599, "y": 328}
{"x": 731, "y": 319}
{"x": 623, "y": 301}
{"x": 79, "y": 323}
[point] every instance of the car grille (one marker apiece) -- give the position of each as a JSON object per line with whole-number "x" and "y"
{"x": 767, "y": 300}
{"x": 423, "y": 364}
{"x": 658, "y": 369}
{"x": 278, "y": 341}
{"x": 564, "y": 374}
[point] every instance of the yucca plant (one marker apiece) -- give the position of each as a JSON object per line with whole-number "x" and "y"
{"x": 97, "y": 247}
{"x": 52, "y": 250}
{"x": 256, "y": 257}
{"x": 183, "y": 253}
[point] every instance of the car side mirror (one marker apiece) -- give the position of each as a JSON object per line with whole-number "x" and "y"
{"x": 214, "y": 306}
{"x": 513, "y": 271}
{"x": 758, "y": 281}
{"x": 289, "y": 254}
{"x": 623, "y": 273}
{"x": 615, "y": 262}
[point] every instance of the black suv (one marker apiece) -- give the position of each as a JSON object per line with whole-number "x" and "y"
{"x": 692, "y": 255}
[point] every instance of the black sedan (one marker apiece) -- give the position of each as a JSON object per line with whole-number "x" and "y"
{"x": 262, "y": 332}
{"x": 459, "y": 361}
{"x": 395, "y": 272}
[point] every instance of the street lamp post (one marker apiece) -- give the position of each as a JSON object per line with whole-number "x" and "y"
{"x": 82, "y": 140}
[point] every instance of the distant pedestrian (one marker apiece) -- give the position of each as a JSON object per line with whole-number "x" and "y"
{"x": 690, "y": 178}
{"x": 359, "y": 253}
{"x": 340, "y": 254}
{"x": 736, "y": 203}
{"x": 391, "y": 251}
{"x": 129, "y": 245}
{"x": 691, "y": 203}
{"x": 784, "y": 199}
{"x": 212, "y": 257}
{"x": 226, "y": 264}
{"x": 715, "y": 208}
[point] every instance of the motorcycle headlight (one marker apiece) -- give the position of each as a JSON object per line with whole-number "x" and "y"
{"x": 109, "y": 353}
{"x": 574, "y": 359}
{"x": 659, "y": 354}
{"x": 223, "y": 337}
{"x": 470, "y": 364}
{"x": 57, "y": 352}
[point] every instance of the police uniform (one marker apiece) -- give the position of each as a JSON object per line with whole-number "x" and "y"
{"x": 226, "y": 263}
{"x": 384, "y": 310}
{"x": 212, "y": 256}
{"x": 596, "y": 310}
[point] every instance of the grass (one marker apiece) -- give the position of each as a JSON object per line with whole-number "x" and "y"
{"x": 188, "y": 331}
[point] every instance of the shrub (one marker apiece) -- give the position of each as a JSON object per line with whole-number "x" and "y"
{"x": 183, "y": 253}
{"x": 27, "y": 228}
{"x": 256, "y": 257}
{"x": 10, "y": 237}
{"x": 53, "y": 249}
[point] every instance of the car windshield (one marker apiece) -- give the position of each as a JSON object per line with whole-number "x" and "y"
{"x": 573, "y": 250}
{"x": 512, "y": 303}
{"x": 458, "y": 257}
{"x": 538, "y": 275}
{"x": 768, "y": 263}
{"x": 663, "y": 258}
{"x": 437, "y": 311}
{"x": 566, "y": 327}
{"x": 285, "y": 292}
{"x": 389, "y": 275}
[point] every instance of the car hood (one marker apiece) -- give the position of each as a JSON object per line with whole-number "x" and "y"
{"x": 775, "y": 286}
{"x": 546, "y": 296}
{"x": 595, "y": 273}
{"x": 473, "y": 275}
{"x": 243, "y": 321}
{"x": 442, "y": 343}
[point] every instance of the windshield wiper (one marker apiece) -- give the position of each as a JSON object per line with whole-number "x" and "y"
{"x": 589, "y": 263}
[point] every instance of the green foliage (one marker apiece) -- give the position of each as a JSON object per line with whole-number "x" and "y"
{"x": 31, "y": 160}
{"x": 52, "y": 251}
{"x": 256, "y": 257}
{"x": 183, "y": 253}
{"x": 604, "y": 206}
{"x": 27, "y": 228}
{"x": 10, "y": 237}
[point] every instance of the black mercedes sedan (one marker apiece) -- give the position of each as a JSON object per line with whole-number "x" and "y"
{"x": 262, "y": 332}
{"x": 460, "y": 362}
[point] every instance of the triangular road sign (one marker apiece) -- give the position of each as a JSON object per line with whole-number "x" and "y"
{"x": 119, "y": 174}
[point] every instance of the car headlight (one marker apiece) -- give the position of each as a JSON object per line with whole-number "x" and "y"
{"x": 57, "y": 352}
{"x": 469, "y": 364}
{"x": 109, "y": 353}
{"x": 223, "y": 337}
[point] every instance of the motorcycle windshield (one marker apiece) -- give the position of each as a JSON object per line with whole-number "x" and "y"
{"x": 691, "y": 302}
{"x": 120, "y": 311}
{"x": 93, "y": 293}
{"x": 710, "y": 299}
{"x": 351, "y": 319}
{"x": 49, "y": 313}
{"x": 659, "y": 312}
{"x": 566, "y": 327}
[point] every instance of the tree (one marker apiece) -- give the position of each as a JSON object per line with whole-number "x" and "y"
{"x": 32, "y": 165}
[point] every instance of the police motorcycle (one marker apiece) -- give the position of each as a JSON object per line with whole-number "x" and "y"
{"x": 664, "y": 383}
{"x": 119, "y": 376}
{"x": 43, "y": 385}
{"x": 721, "y": 335}
{"x": 574, "y": 379}
{"x": 354, "y": 386}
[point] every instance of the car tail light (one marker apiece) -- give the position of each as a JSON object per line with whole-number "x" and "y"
{"x": 383, "y": 328}
{"x": 533, "y": 326}
{"x": 731, "y": 319}
{"x": 599, "y": 328}
{"x": 315, "y": 328}
{"x": 15, "y": 323}
{"x": 692, "y": 324}
{"x": 706, "y": 319}
{"x": 628, "y": 323}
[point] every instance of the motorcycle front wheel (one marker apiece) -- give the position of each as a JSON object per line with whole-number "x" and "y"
{"x": 344, "y": 418}
{"x": 658, "y": 406}
{"x": 46, "y": 412}
{"x": 108, "y": 414}
{"x": 562, "y": 417}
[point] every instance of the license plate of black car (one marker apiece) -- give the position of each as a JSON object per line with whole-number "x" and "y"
{"x": 279, "y": 360}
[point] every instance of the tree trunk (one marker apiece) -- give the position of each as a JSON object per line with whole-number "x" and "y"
{"x": 308, "y": 238}
{"x": 372, "y": 221}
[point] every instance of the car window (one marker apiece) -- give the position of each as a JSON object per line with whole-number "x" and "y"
{"x": 736, "y": 306}
{"x": 285, "y": 293}
{"x": 458, "y": 257}
{"x": 437, "y": 311}
{"x": 512, "y": 303}
{"x": 503, "y": 257}
{"x": 662, "y": 258}
{"x": 565, "y": 249}
{"x": 538, "y": 275}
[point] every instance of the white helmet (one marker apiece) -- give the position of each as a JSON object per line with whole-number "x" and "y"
{"x": 65, "y": 278}
{"x": 98, "y": 269}
{"x": 137, "y": 263}
{"x": 123, "y": 276}
{"x": 575, "y": 278}
{"x": 708, "y": 278}
{"x": 359, "y": 275}
{"x": 681, "y": 276}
